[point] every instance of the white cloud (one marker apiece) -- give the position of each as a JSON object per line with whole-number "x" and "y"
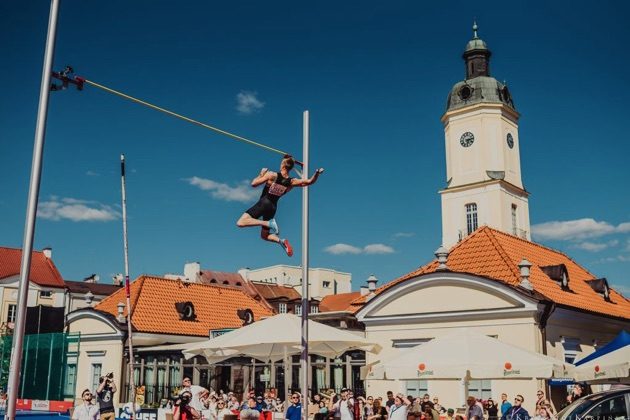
{"x": 242, "y": 192}
{"x": 577, "y": 229}
{"x": 404, "y": 234}
{"x": 595, "y": 246}
{"x": 378, "y": 249}
{"x": 341, "y": 248}
{"x": 248, "y": 102}
{"x": 76, "y": 210}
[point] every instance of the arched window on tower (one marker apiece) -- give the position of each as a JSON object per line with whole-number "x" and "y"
{"x": 471, "y": 217}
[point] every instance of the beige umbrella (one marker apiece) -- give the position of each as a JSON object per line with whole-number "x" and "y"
{"x": 611, "y": 367}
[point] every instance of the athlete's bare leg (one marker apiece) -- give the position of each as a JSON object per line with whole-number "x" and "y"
{"x": 264, "y": 233}
{"x": 246, "y": 221}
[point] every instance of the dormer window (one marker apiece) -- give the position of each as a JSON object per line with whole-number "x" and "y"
{"x": 600, "y": 286}
{"x": 186, "y": 311}
{"x": 558, "y": 273}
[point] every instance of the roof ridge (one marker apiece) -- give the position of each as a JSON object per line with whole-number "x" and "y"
{"x": 504, "y": 256}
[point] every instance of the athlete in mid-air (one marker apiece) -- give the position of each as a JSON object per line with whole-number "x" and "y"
{"x": 276, "y": 185}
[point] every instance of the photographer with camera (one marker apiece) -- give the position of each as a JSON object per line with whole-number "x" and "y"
{"x": 182, "y": 409}
{"x": 105, "y": 397}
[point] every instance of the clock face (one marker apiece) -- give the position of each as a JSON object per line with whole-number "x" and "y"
{"x": 467, "y": 139}
{"x": 510, "y": 140}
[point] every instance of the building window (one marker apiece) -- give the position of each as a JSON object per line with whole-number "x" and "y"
{"x": 514, "y": 225}
{"x": 314, "y": 309}
{"x": 571, "y": 348}
{"x": 298, "y": 309}
{"x": 282, "y": 308}
{"x": 71, "y": 380}
{"x": 96, "y": 375}
{"x": 471, "y": 217}
{"x": 416, "y": 387}
{"x": 326, "y": 284}
{"x": 11, "y": 313}
{"x": 480, "y": 388}
{"x": 46, "y": 294}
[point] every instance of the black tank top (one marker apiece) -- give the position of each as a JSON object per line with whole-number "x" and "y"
{"x": 276, "y": 190}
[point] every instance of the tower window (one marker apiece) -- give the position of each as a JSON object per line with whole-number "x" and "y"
{"x": 514, "y": 225}
{"x": 471, "y": 217}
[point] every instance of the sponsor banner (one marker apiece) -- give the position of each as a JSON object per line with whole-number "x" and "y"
{"x": 144, "y": 414}
{"x": 44, "y": 405}
{"x": 39, "y": 405}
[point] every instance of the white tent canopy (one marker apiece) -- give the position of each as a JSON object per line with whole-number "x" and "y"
{"x": 274, "y": 338}
{"x": 614, "y": 365}
{"x": 468, "y": 355}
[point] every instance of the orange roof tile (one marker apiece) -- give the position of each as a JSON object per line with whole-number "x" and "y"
{"x": 43, "y": 270}
{"x": 490, "y": 253}
{"x": 154, "y": 298}
{"x": 339, "y": 302}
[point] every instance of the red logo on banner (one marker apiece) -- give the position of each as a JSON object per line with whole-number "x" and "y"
{"x": 421, "y": 367}
{"x": 596, "y": 368}
{"x": 508, "y": 365}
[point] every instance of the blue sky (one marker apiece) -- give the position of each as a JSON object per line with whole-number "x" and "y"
{"x": 374, "y": 75}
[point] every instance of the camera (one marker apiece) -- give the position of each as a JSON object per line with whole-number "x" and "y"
{"x": 184, "y": 399}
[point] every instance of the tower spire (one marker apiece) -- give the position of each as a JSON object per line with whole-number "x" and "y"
{"x": 475, "y": 27}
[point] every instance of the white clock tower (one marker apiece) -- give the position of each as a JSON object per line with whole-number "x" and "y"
{"x": 483, "y": 170}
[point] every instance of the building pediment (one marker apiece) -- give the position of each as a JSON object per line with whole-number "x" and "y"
{"x": 446, "y": 296}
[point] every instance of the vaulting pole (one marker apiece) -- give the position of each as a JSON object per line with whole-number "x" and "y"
{"x": 31, "y": 213}
{"x": 304, "y": 356}
{"x": 132, "y": 385}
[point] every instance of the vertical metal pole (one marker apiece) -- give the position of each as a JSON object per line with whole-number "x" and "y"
{"x": 132, "y": 385}
{"x": 304, "y": 356}
{"x": 31, "y": 212}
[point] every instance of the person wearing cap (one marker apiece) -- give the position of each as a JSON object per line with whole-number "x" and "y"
{"x": 276, "y": 184}
{"x": 450, "y": 414}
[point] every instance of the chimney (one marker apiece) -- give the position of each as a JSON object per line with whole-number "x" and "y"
{"x": 442, "y": 256}
{"x": 364, "y": 290}
{"x": 121, "y": 309}
{"x": 117, "y": 280}
{"x": 47, "y": 252}
{"x": 371, "y": 281}
{"x": 192, "y": 271}
{"x": 524, "y": 266}
{"x": 89, "y": 298}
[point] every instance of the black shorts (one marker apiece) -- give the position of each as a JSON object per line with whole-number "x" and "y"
{"x": 263, "y": 208}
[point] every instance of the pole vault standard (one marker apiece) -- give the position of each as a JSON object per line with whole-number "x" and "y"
{"x": 31, "y": 213}
{"x": 132, "y": 385}
{"x": 304, "y": 355}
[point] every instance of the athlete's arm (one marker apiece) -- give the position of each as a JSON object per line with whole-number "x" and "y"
{"x": 264, "y": 176}
{"x": 297, "y": 182}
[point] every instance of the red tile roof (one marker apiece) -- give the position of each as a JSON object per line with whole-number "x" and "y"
{"x": 341, "y": 302}
{"x": 43, "y": 270}
{"x": 154, "y": 298}
{"x": 490, "y": 253}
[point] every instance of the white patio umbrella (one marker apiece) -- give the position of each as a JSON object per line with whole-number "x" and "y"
{"x": 614, "y": 365}
{"x": 468, "y": 355}
{"x": 276, "y": 337}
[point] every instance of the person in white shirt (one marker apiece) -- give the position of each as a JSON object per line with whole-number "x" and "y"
{"x": 88, "y": 410}
{"x": 344, "y": 407}
{"x": 222, "y": 409}
{"x": 198, "y": 392}
{"x": 398, "y": 411}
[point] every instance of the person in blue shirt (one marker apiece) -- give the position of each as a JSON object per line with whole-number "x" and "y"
{"x": 294, "y": 412}
{"x": 505, "y": 404}
{"x": 517, "y": 412}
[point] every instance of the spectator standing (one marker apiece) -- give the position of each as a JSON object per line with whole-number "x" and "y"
{"x": 390, "y": 399}
{"x": 473, "y": 411}
{"x": 250, "y": 411}
{"x": 431, "y": 413}
{"x": 493, "y": 410}
{"x": 426, "y": 400}
{"x": 197, "y": 392}
{"x": 540, "y": 398}
{"x": 398, "y": 411}
{"x": 378, "y": 411}
{"x": 450, "y": 414}
{"x": 517, "y": 412}
{"x": 505, "y": 404}
{"x": 87, "y": 410}
{"x": 105, "y": 397}
{"x": 183, "y": 410}
{"x": 344, "y": 408}
{"x": 222, "y": 409}
{"x": 294, "y": 412}
{"x": 437, "y": 406}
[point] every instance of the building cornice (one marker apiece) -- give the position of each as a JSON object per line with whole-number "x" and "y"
{"x": 89, "y": 313}
{"x": 473, "y": 185}
{"x": 523, "y": 306}
{"x": 506, "y": 111}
